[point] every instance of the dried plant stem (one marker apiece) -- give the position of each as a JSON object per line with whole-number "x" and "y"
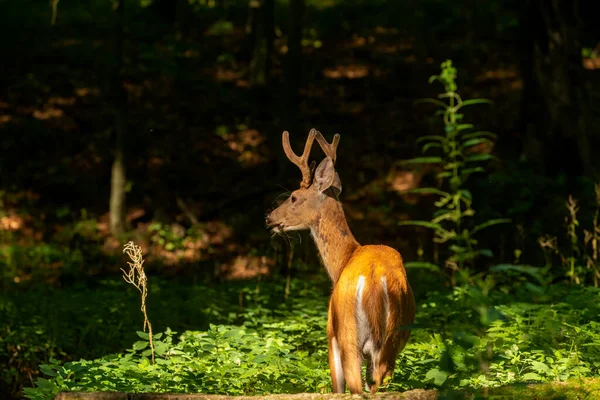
{"x": 137, "y": 277}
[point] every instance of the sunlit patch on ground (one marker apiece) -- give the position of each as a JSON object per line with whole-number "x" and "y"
{"x": 61, "y": 101}
{"x": 11, "y": 222}
{"x": 246, "y": 267}
{"x": 501, "y": 81}
{"x": 245, "y": 144}
{"x": 223, "y": 74}
{"x": 87, "y": 91}
{"x": 48, "y": 113}
{"x": 591, "y": 63}
{"x": 351, "y": 71}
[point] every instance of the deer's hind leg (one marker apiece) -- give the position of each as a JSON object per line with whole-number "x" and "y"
{"x": 383, "y": 368}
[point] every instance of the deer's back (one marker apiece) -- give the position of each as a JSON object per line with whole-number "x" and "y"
{"x": 374, "y": 284}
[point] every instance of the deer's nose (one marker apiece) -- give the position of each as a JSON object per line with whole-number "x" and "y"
{"x": 270, "y": 221}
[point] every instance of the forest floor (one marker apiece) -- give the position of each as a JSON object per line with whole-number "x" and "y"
{"x": 574, "y": 389}
{"x": 202, "y": 172}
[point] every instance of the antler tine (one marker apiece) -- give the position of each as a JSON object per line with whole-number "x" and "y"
{"x": 301, "y": 162}
{"x": 330, "y": 149}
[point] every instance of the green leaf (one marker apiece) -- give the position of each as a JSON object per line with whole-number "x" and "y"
{"x": 471, "y": 102}
{"x": 425, "y": 224}
{"x": 439, "y": 377}
{"x": 475, "y": 141}
{"x": 478, "y": 134}
{"x": 48, "y": 370}
{"x": 485, "y": 253}
{"x": 140, "y": 345}
{"x": 431, "y": 137}
{"x": 462, "y": 127}
{"x": 531, "y": 376}
{"x": 422, "y": 265}
{"x": 479, "y": 157}
{"x": 422, "y": 160}
{"x": 160, "y": 348}
{"x": 489, "y": 223}
{"x": 466, "y": 194}
{"x": 540, "y": 367}
{"x": 444, "y": 174}
{"x": 143, "y": 335}
{"x": 438, "y": 103}
{"x": 430, "y": 145}
{"x": 468, "y": 171}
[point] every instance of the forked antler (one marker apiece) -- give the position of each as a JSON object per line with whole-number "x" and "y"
{"x": 301, "y": 162}
{"x": 330, "y": 149}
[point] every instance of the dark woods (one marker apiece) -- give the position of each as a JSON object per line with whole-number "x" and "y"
{"x": 160, "y": 122}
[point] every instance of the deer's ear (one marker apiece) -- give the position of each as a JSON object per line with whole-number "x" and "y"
{"x": 326, "y": 177}
{"x": 337, "y": 184}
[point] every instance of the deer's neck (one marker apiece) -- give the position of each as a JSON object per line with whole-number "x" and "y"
{"x": 333, "y": 238}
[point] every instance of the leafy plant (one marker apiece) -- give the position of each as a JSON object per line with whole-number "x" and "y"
{"x": 282, "y": 348}
{"x": 459, "y": 153}
{"x": 581, "y": 254}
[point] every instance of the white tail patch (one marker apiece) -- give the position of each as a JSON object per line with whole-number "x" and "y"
{"x": 337, "y": 365}
{"x": 363, "y": 329}
{"x": 386, "y": 301}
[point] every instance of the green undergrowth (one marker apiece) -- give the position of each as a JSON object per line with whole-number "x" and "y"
{"x": 267, "y": 345}
{"x": 573, "y": 389}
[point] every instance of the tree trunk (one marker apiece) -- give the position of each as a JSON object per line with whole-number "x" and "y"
{"x": 555, "y": 99}
{"x": 118, "y": 179}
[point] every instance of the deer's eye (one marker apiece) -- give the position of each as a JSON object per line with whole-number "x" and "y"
{"x": 293, "y": 198}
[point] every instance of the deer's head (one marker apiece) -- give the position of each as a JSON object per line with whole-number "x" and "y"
{"x": 302, "y": 209}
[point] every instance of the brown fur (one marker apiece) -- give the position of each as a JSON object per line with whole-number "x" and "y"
{"x": 317, "y": 208}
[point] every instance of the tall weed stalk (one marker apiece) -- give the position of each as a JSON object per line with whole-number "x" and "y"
{"x": 458, "y": 152}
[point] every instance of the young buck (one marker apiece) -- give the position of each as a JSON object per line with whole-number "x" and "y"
{"x": 371, "y": 303}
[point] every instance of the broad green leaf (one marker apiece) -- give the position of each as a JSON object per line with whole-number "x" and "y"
{"x": 531, "y": 376}
{"x": 444, "y": 174}
{"x": 160, "y": 348}
{"x": 48, "y": 370}
{"x": 439, "y": 377}
{"x": 140, "y": 345}
{"x": 489, "y": 223}
{"x": 143, "y": 335}
{"x": 540, "y": 367}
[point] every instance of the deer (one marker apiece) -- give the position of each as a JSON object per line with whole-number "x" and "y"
{"x": 372, "y": 304}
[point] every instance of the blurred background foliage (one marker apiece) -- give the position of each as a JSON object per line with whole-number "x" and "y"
{"x": 160, "y": 121}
